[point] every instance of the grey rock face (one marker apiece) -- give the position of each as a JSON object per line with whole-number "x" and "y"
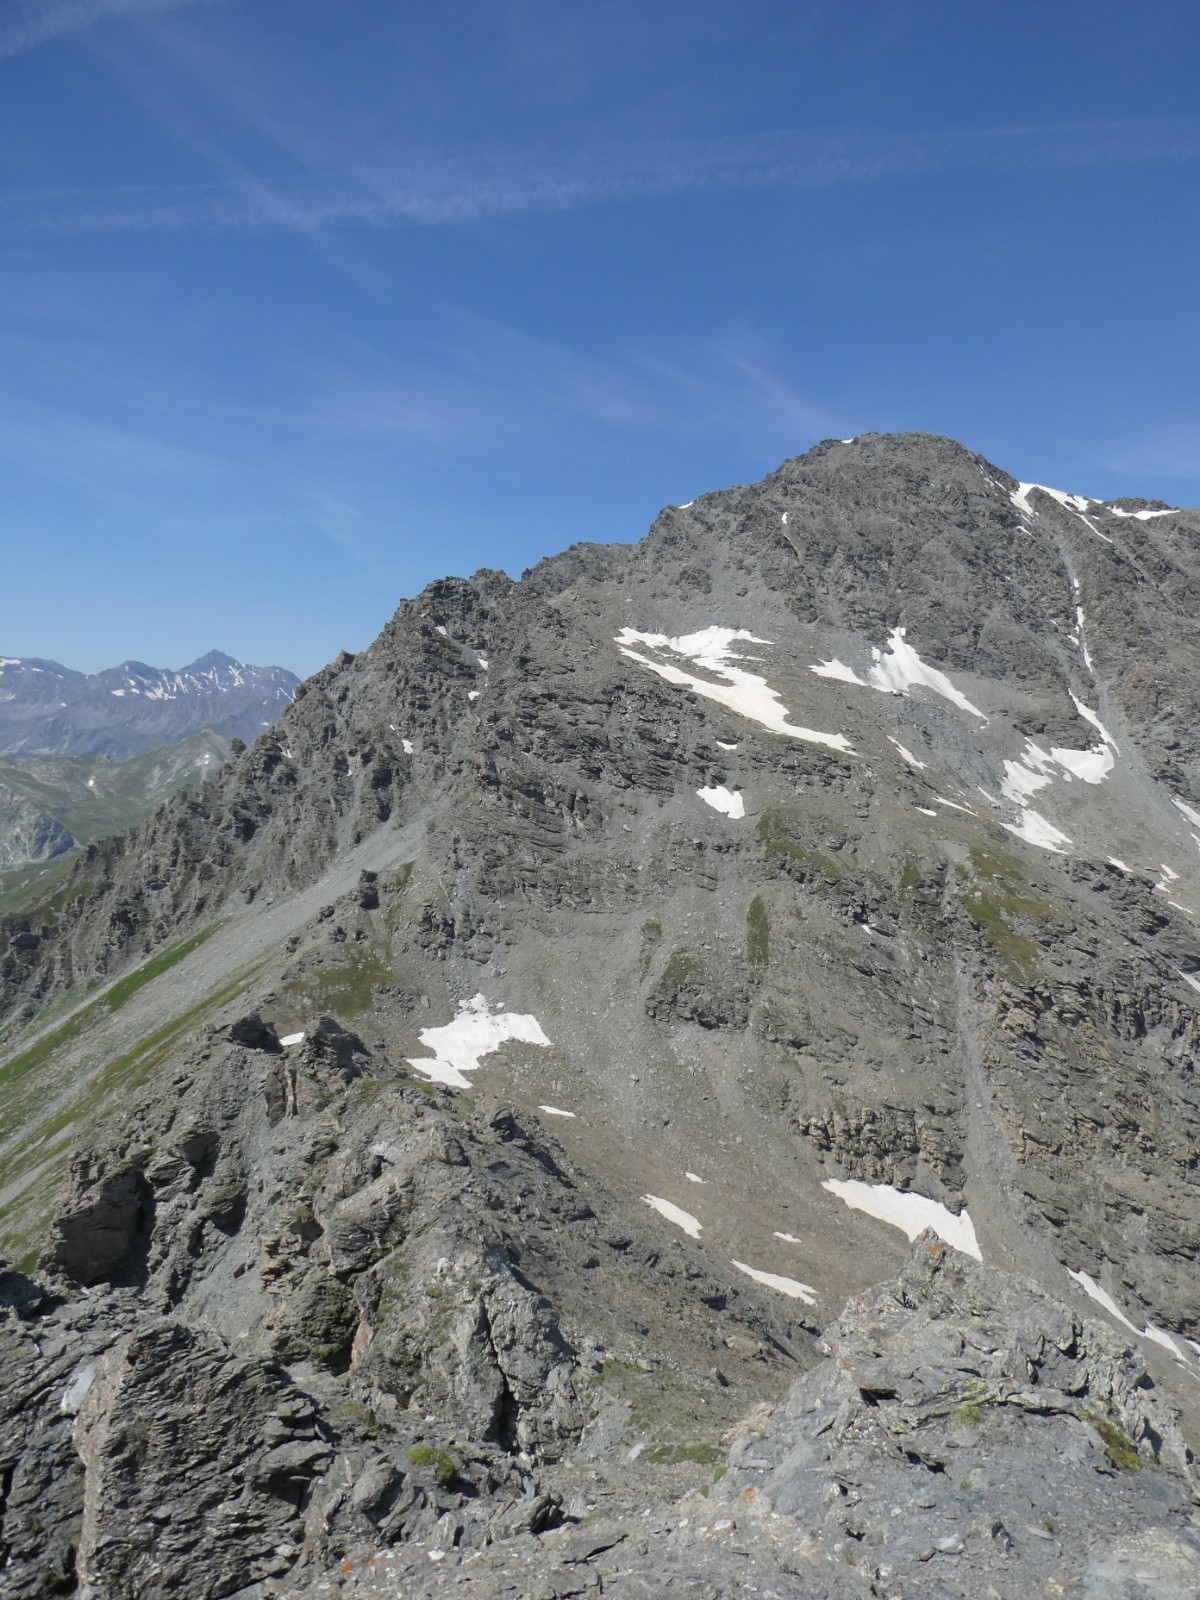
{"x": 965, "y": 1430}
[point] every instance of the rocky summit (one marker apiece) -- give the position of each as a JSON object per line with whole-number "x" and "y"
{"x": 676, "y": 1075}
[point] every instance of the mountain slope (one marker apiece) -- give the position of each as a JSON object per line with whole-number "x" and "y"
{"x": 46, "y": 708}
{"x": 78, "y": 799}
{"x": 829, "y": 856}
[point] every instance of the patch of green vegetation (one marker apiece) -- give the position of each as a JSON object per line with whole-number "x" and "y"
{"x": 999, "y": 895}
{"x": 344, "y": 991}
{"x": 444, "y": 1470}
{"x": 362, "y": 1418}
{"x": 123, "y": 991}
{"x": 1122, "y": 1451}
{"x": 673, "y": 1455}
{"x": 680, "y": 969}
{"x": 27, "y": 1061}
{"x": 651, "y": 939}
{"x": 778, "y": 829}
{"x": 758, "y": 933}
{"x": 662, "y": 1404}
{"x": 23, "y": 891}
{"x": 968, "y": 1415}
{"x": 396, "y": 882}
{"x": 910, "y": 875}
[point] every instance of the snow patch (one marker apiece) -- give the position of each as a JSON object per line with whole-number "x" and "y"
{"x": 1023, "y": 779}
{"x": 839, "y": 670}
{"x": 1089, "y": 715}
{"x": 953, "y": 804}
{"x": 1020, "y": 782}
{"x": 926, "y": 812}
{"x": 788, "y": 1238}
{"x": 772, "y": 1280}
{"x": 1189, "y": 813}
{"x": 1093, "y": 766}
{"x": 693, "y": 1177}
{"x": 553, "y": 1111}
{"x": 1077, "y": 503}
{"x": 1141, "y": 516}
{"x": 1115, "y": 861}
{"x": 1035, "y": 829}
{"x": 482, "y": 660}
{"x": 908, "y": 755}
{"x": 728, "y": 801}
{"x": 903, "y": 669}
{"x": 1081, "y": 641}
{"x": 289, "y": 1039}
{"x": 725, "y": 746}
{"x": 744, "y": 692}
{"x": 1193, "y": 983}
{"x": 676, "y": 1214}
{"x": 1102, "y": 1298}
{"x": 459, "y": 1046}
{"x": 911, "y": 1213}
{"x": 407, "y": 746}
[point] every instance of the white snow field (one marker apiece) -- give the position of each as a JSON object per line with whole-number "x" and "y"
{"x": 676, "y": 1214}
{"x": 1035, "y": 829}
{"x": 554, "y": 1111}
{"x": 839, "y": 670}
{"x": 728, "y": 801}
{"x": 1102, "y": 1298}
{"x": 898, "y": 671}
{"x": 908, "y": 755}
{"x": 773, "y": 1280}
{"x": 459, "y": 1046}
{"x": 747, "y": 693}
{"x": 911, "y": 1213}
{"x": 902, "y": 670}
{"x": 1078, "y": 503}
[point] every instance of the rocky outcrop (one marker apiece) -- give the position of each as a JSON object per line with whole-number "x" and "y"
{"x": 963, "y": 1435}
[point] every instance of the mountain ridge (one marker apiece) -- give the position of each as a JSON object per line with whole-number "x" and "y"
{"x": 823, "y": 866}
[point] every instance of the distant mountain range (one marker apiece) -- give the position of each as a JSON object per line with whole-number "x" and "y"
{"x": 48, "y": 709}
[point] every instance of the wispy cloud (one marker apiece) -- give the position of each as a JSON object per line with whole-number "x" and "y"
{"x": 28, "y": 23}
{"x": 409, "y": 188}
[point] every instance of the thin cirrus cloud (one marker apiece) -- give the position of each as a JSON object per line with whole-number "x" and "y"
{"x": 28, "y": 23}
{"x": 445, "y": 190}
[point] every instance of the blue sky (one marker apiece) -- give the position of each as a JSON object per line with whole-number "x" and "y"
{"x": 306, "y": 302}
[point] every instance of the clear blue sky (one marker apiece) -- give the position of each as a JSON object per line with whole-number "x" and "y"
{"x": 306, "y": 302}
